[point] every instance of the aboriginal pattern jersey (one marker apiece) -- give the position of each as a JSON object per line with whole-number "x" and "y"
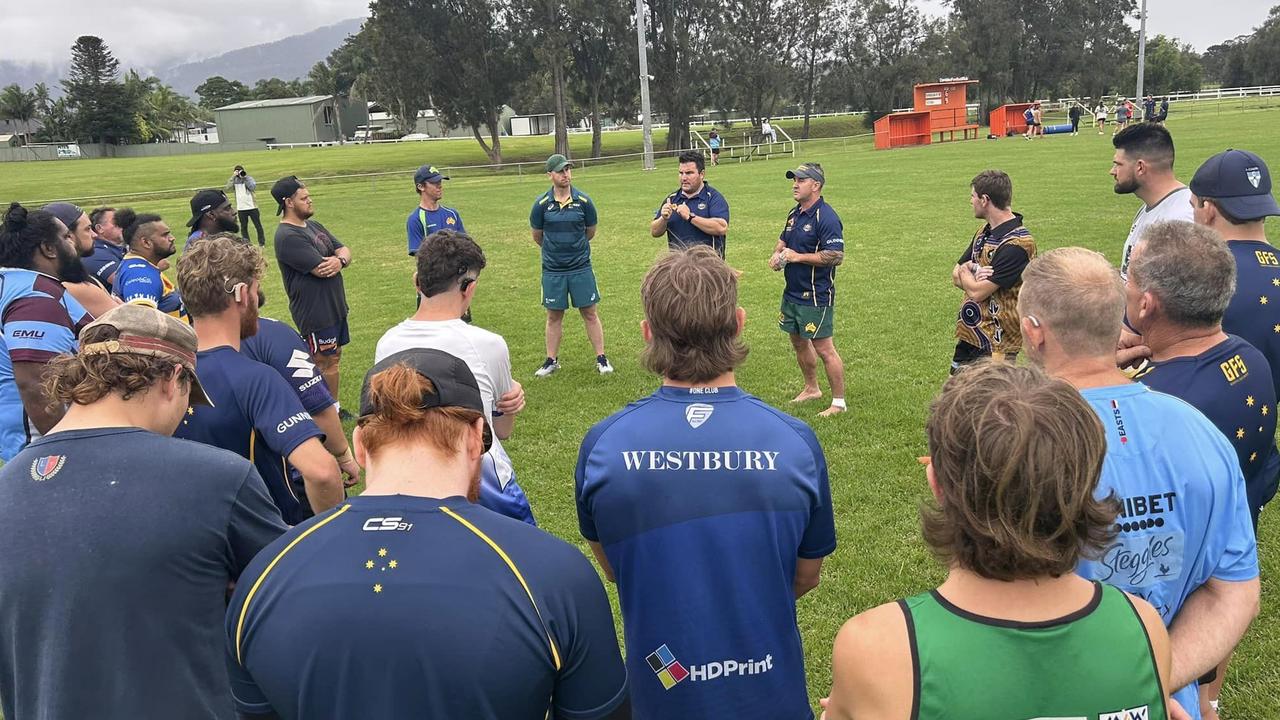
{"x": 992, "y": 325}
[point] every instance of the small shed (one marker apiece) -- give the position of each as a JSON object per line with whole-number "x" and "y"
{"x": 533, "y": 124}
{"x": 310, "y": 119}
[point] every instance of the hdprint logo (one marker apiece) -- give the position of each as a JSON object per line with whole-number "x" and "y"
{"x": 669, "y": 670}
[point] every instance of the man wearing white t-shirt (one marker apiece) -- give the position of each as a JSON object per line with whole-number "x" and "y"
{"x": 1143, "y": 165}
{"x": 448, "y": 265}
{"x": 247, "y": 207}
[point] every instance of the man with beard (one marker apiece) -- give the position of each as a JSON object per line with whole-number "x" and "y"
{"x": 311, "y": 263}
{"x": 1143, "y": 166}
{"x": 108, "y": 246}
{"x": 255, "y": 413}
{"x": 85, "y": 288}
{"x": 38, "y": 321}
{"x": 211, "y": 212}
{"x": 139, "y": 279}
{"x": 411, "y": 601}
{"x": 696, "y": 214}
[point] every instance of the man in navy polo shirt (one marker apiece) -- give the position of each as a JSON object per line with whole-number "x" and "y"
{"x": 255, "y": 413}
{"x": 563, "y": 221}
{"x": 1181, "y": 279}
{"x": 710, "y": 509}
{"x": 1231, "y": 193}
{"x": 108, "y": 246}
{"x": 443, "y": 609}
{"x": 808, "y": 251}
{"x": 696, "y": 214}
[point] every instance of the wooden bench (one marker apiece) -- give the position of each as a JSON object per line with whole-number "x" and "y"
{"x": 964, "y": 129}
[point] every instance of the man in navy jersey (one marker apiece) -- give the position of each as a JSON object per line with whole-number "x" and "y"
{"x": 443, "y": 609}
{"x": 1231, "y": 193}
{"x": 430, "y": 215}
{"x": 710, "y": 509}
{"x": 120, "y": 541}
{"x": 1184, "y": 282}
{"x": 1184, "y": 542}
{"x": 255, "y": 412}
{"x": 808, "y": 250}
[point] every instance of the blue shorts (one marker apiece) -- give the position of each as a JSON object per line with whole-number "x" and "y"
{"x": 559, "y": 289}
{"x": 509, "y": 500}
{"x": 328, "y": 341}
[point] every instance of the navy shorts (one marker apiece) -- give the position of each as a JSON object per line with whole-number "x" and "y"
{"x": 328, "y": 341}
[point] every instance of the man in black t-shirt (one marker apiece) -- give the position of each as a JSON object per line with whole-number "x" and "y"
{"x": 120, "y": 541}
{"x": 311, "y": 263}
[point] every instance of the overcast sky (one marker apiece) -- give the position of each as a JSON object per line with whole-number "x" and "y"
{"x": 148, "y": 32}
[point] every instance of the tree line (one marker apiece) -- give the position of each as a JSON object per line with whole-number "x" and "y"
{"x": 576, "y": 59}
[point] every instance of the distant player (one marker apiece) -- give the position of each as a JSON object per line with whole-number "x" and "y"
{"x": 696, "y": 213}
{"x": 713, "y": 142}
{"x": 139, "y": 279}
{"x": 430, "y": 215}
{"x": 1029, "y": 117}
{"x": 1013, "y": 632}
{"x": 1100, "y": 117}
{"x": 808, "y": 251}
{"x": 563, "y": 222}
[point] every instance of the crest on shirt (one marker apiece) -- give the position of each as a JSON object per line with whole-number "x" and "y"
{"x": 808, "y": 227}
{"x": 450, "y": 221}
{"x": 698, "y": 413}
{"x": 703, "y": 206}
{"x": 46, "y": 467}
{"x": 1255, "y": 176}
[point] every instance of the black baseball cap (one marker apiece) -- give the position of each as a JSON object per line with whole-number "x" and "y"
{"x": 284, "y": 188}
{"x": 205, "y": 201}
{"x": 428, "y": 174}
{"x": 1239, "y": 182}
{"x": 455, "y": 385}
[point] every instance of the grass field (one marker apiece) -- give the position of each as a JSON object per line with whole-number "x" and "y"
{"x": 906, "y": 217}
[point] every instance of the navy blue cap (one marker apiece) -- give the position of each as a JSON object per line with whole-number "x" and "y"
{"x": 428, "y": 173}
{"x": 1238, "y": 182}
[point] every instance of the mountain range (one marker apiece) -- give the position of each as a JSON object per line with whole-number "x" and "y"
{"x": 287, "y": 58}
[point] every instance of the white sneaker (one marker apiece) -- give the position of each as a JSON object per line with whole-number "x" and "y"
{"x": 602, "y": 364}
{"x": 549, "y": 366}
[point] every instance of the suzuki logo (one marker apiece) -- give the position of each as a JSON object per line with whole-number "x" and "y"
{"x": 302, "y": 365}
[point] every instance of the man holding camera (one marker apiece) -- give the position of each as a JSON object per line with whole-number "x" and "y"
{"x": 246, "y": 207}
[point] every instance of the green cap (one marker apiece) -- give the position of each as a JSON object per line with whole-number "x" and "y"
{"x": 558, "y": 162}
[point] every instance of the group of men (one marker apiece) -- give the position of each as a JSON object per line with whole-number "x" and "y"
{"x": 1178, "y": 353}
{"x": 710, "y": 510}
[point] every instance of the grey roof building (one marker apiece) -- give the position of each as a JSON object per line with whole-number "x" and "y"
{"x": 310, "y": 119}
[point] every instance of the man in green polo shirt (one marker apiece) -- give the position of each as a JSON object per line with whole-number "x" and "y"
{"x": 563, "y": 220}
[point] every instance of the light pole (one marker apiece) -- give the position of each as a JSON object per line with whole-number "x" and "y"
{"x": 645, "y": 120}
{"x": 1142, "y": 49}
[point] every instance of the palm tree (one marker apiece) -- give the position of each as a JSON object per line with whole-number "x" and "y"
{"x": 19, "y": 106}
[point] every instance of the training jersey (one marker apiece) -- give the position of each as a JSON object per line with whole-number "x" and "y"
{"x": 39, "y": 320}
{"x": 1231, "y": 384}
{"x": 104, "y": 261}
{"x": 714, "y": 142}
{"x": 119, "y": 546}
{"x": 810, "y": 231}
{"x": 565, "y": 247}
{"x": 1254, "y": 312}
{"x": 422, "y": 222}
{"x": 707, "y": 203}
{"x": 484, "y": 352}
{"x": 256, "y": 415}
{"x": 703, "y": 499}
{"x": 971, "y": 667}
{"x": 138, "y": 281}
{"x": 1174, "y": 206}
{"x": 281, "y": 348}
{"x": 443, "y": 609}
{"x": 1183, "y": 515}
{"x": 993, "y": 325}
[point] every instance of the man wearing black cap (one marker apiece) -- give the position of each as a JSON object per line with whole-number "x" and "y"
{"x": 311, "y": 262}
{"x": 430, "y": 215}
{"x": 211, "y": 212}
{"x": 1231, "y": 193}
{"x": 114, "y": 614}
{"x": 451, "y": 610}
{"x": 246, "y": 206}
{"x": 809, "y": 249}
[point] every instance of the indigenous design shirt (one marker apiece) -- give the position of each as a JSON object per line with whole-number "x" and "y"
{"x": 992, "y": 325}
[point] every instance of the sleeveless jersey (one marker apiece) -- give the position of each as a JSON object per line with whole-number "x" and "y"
{"x": 992, "y": 325}
{"x": 1094, "y": 663}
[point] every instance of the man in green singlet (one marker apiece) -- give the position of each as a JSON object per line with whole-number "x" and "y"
{"x": 1013, "y": 633}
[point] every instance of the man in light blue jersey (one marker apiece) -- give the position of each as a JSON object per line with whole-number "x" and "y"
{"x": 1185, "y": 542}
{"x": 710, "y": 509}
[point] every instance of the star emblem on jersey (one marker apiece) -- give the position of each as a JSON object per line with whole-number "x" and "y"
{"x": 698, "y": 413}
{"x": 46, "y": 467}
{"x": 302, "y": 365}
{"x": 1254, "y": 175}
